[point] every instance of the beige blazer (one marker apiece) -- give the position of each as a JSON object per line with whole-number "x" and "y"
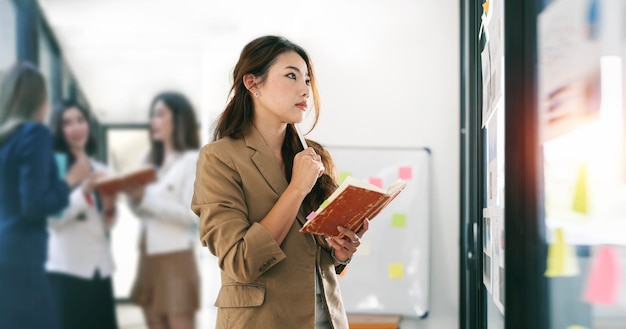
{"x": 264, "y": 284}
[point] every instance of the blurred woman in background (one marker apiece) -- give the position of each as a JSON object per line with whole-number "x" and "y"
{"x": 80, "y": 262}
{"x": 30, "y": 191}
{"x": 167, "y": 282}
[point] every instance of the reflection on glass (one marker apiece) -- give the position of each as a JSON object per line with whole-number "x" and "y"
{"x": 580, "y": 73}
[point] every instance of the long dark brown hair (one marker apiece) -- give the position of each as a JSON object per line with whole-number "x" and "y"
{"x": 22, "y": 94}
{"x": 185, "y": 134}
{"x": 256, "y": 58}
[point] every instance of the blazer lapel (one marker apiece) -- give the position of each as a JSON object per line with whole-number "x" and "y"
{"x": 265, "y": 162}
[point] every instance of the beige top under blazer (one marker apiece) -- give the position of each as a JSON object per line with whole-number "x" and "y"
{"x": 264, "y": 284}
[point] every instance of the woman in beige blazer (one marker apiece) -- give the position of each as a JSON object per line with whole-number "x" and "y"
{"x": 254, "y": 186}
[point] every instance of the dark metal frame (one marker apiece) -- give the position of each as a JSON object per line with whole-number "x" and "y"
{"x": 471, "y": 169}
{"x": 526, "y": 287}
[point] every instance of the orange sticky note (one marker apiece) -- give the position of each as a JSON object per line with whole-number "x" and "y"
{"x": 604, "y": 276}
{"x": 405, "y": 173}
{"x": 562, "y": 259}
{"x": 581, "y": 204}
{"x": 376, "y": 181}
{"x": 396, "y": 271}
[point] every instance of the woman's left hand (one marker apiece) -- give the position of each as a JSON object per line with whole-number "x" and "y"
{"x": 346, "y": 247}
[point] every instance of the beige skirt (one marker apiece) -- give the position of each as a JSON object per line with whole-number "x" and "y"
{"x": 167, "y": 283}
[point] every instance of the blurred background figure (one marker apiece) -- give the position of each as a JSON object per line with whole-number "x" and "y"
{"x": 30, "y": 191}
{"x": 80, "y": 262}
{"x": 167, "y": 284}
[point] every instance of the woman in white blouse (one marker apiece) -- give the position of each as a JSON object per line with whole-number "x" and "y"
{"x": 167, "y": 282}
{"x": 80, "y": 262}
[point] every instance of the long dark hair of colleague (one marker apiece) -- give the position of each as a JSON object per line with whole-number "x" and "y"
{"x": 184, "y": 122}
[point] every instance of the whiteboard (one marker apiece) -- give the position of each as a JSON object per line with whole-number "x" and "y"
{"x": 389, "y": 273}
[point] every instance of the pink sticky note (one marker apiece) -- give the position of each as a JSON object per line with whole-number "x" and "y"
{"x": 405, "y": 173}
{"x": 376, "y": 181}
{"x": 604, "y": 276}
{"x": 311, "y": 215}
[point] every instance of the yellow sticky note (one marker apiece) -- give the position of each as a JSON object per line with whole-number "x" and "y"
{"x": 486, "y": 7}
{"x": 580, "y": 192}
{"x": 562, "y": 259}
{"x": 398, "y": 220}
{"x": 324, "y": 204}
{"x": 343, "y": 175}
{"x": 396, "y": 270}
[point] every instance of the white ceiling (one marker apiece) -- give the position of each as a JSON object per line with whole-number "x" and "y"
{"x": 123, "y": 52}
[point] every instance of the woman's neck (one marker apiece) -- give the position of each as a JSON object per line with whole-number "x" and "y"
{"x": 78, "y": 152}
{"x": 273, "y": 134}
{"x": 168, "y": 148}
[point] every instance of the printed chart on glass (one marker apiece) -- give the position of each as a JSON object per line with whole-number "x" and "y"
{"x": 389, "y": 274}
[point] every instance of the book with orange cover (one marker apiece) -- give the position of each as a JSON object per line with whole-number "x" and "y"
{"x": 349, "y": 206}
{"x": 112, "y": 185}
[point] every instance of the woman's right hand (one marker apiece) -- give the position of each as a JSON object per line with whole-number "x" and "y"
{"x": 79, "y": 171}
{"x": 307, "y": 167}
{"x": 90, "y": 182}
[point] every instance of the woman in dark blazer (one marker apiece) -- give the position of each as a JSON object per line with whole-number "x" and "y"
{"x": 30, "y": 191}
{"x": 254, "y": 186}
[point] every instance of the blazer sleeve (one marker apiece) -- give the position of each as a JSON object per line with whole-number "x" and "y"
{"x": 158, "y": 204}
{"x": 42, "y": 192}
{"x": 245, "y": 249}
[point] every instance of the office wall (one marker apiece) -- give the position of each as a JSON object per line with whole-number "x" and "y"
{"x": 398, "y": 86}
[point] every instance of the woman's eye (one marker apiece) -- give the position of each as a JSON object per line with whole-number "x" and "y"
{"x": 291, "y": 76}
{"x": 308, "y": 82}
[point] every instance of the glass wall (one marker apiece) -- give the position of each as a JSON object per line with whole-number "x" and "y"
{"x": 581, "y": 114}
{"x": 8, "y": 35}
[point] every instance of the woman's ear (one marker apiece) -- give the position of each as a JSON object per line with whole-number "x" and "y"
{"x": 250, "y": 81}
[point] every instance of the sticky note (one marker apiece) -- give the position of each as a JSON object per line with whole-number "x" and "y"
{"x": 603, "y": 282}
{"x": 398, "y": 221}
{"x": 364, "y": 249}
{"x": 405, "y": 173}
{"x": 343, "y": 175}
{"x": 396, "y": 270}
{"x": 562, "y": 259}
{"x": 324, "y": 204}
{"x": 311, "y": 215}
{"x": 580, "y": 191}
{"x": 376, "y": 181}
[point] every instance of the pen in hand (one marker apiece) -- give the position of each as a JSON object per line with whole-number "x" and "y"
{"x": 302, "y": 140}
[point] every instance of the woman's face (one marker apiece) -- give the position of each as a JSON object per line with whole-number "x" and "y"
{"x": 75, "y": 128}
{"x": 284, "y": 95}
{"x": 161, "y": 123}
